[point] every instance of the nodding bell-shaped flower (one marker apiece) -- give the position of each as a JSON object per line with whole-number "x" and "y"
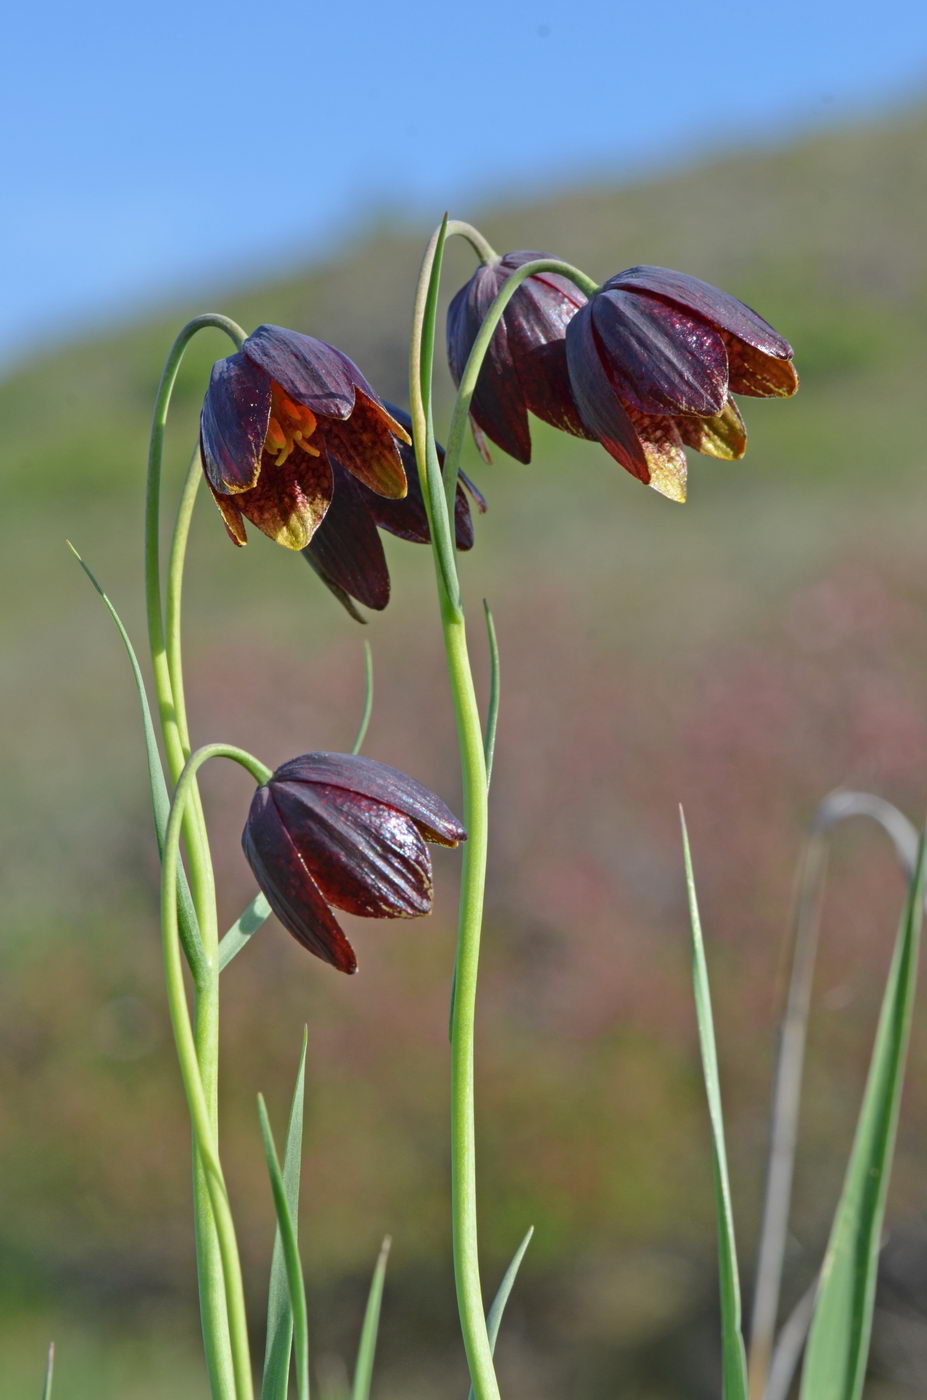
{"x": 653, "y": 359}
{"x": 346, "y": 551}
{"x": 336, "y": 829}
{"x": 278, "y": 418}
{"x": 525, "y": 368}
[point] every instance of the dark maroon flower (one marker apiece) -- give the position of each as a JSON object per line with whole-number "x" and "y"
{"x": 653, "y": 359}
{"x": 346, "y": 551}
{"x": 275, "y": 418}
{"x": 525, "y": 368}
{"x": 334, "y": 829}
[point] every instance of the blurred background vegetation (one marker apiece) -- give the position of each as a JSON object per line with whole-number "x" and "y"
{"x": 743, "y": 654}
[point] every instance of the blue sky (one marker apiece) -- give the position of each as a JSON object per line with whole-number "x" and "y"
{"x": 159, "y": 147}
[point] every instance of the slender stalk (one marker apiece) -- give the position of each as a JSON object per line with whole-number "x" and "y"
{"x": 473, "y": 775}
{"x": 174, "y": 596}
{"x": 213, "y": 1306}
{"x": 483, "y": 249}
{"x": 199, "y": 1086}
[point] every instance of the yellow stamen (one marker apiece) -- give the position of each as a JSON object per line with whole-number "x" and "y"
{"x": 291, "y": 425}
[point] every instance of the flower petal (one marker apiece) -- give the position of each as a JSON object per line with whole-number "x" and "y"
{"x": 497, "y": 408}
{"x": 663, "y": 449}
{"x": 288, "y": 886}
{"x": 384, "y": 784}
{"x": 366, "y": 857}
{"x": 233, "y": 423}
{"x": 723, "y": 436}
{"x": 232, "y": 517}
{"x": 346, "y": 548}
{"x": 759, "y": 375}
{"x": 720, "y": 308}
{"x": 660, "y": 359}
{"x": 365, "y": 446}
{"x": 310, "y": 371}
{"x": 289, "y": 502}
{"x": 536, "y": 320}
{"x": 596, "y": 398}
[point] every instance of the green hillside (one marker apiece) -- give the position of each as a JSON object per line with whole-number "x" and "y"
{"x": 744, "y": 654}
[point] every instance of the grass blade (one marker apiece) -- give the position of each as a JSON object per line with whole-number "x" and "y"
{"x": 160, "y": 801}
{"x": 492, "y": 709}
{"x": 363, "y": 1371}
{"x": 497, "y": 1307}
{"x": 49, "y": 1372}
{"x": 838, "y": 1346}
{"x": 243, "y": 930}
{"x": 280, "y": 1310}
{"x": 368, "y": 699}
{"x": 734, "y": 1363}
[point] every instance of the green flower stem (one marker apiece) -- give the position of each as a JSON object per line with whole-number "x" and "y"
{"x": 221, "y": 1292}
{"x": 484, "y": 250}
{"x": 174, "y": 597}
{"x": 220, "y": 1355}
{"x": 467, "y": 386}
{"x": 473, "y": 873}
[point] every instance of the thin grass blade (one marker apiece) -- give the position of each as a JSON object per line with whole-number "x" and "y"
{"x": 160, "y": 800}
{"x": 243, "y": 930}
{"x": 838, "y": 1345}
{"x": 734, "y": 1362}
{"x": 497, "y": 1307}
{"x": 492, "y": 709}
{"x": 368, "y": 699}
{"x": 363, "y": 1371}
{"x": 49, "y": 1372}
{"x": 280, "y": 1312}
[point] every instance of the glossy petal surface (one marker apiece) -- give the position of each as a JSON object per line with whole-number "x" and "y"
{"x": 720, "y": 308}
{"x": 289, "y": 502}
{"x": 596, "y": 398}
{"x": 498, "y": 406}
{"x": 660, "y": 359}
{"x": 758, "y": 375}
{"x": 346, "y": 546}
{"x": 312, "y": 372}
{"x": 364, "y": 445}
{"x": 722, "y": 436}
{"x": 663, "y": 449}
{"x": 233, "y": 423}
{"x": 366, "y": 857}
{"x": 291, "y": 891}
{"x": 380, "y": 782}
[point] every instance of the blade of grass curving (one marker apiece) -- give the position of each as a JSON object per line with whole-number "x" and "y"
{"x": 160, "y": 801}
{"x": 838, "y": 1345}
{"x": 734, "y": 1361}
{"x": 497, "y": 1307}
{"x": 492, "y": 709}
{"x": 363, "y": 1371}
{"x": 243, "y": 930}
{"x": 49, "y": 1372}
{"x": 275, "y": 1382}
{"x": 368, "y": 699}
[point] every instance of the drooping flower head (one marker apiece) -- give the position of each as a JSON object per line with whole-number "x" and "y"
{"x": 346, "y": 551}
{"x": 276, "y": 418}
{"x": 525, "y": 368}
{"x": 653, "y": 359}
{"x": 646, "y": 365}
{"x": 336, "y": 829}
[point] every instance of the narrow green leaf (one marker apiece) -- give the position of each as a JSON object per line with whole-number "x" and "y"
{"x": 363, "y": 1371}
{"x": 734, "y": 1362}
{"x": 497, "y": 1307}
{"x": 243, "y": 930}
{"x": 160, "y": 801}
{"x": 49, "y": 1372}
{"x": 368, "y": 699}
{"x": 280, "y": 1311}
{"x": 492, "y": 709}
{"x": 835, "y": 1360}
